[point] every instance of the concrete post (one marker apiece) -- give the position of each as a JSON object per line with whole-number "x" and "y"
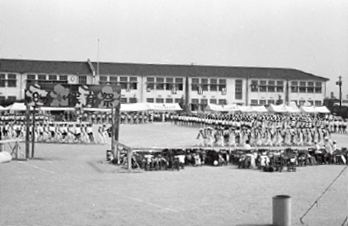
{"x": 282, "y": 210}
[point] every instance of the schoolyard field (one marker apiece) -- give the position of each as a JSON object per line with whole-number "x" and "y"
{"x": 71, "y": 184}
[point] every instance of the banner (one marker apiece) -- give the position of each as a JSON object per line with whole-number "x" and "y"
{"x": 68, "y": 95}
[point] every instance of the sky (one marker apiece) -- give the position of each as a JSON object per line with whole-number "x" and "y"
{"x": 308, "y": 35}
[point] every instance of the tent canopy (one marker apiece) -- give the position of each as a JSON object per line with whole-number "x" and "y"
{"x": 135, "y": 107}
{"x": 322, "y": 109}
{"x": 17, "y": 107}
{"x": 222, "y": 108}
{"x": 310, "y": 109}
{"x": 164, "y": 107}
{"x": 278, "y": 108}
{"x": 259, "y": 109}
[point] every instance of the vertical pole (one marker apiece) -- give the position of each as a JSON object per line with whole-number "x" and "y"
{"x": 117, "y": 131}
{"x": 247, "y": 92}
{"x": 27, "y": 131}
{"x": 33, "y": 134}
{"x": 129, "y": 159}
{"x": 113, "y": 132}
{"x": 340, "y": 85}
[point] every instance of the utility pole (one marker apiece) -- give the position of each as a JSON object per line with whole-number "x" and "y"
{"x": 339, "y": 83}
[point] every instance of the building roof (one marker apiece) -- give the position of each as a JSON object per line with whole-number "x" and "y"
{"x": 83, "y": 68}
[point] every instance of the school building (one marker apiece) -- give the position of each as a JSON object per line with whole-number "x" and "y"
{"x": 198, "y": 85}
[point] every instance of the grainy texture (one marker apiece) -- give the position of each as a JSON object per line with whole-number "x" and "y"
{"x": 69, "y": 185}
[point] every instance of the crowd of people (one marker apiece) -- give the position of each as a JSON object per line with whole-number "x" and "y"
{"x": 235, "y": 130}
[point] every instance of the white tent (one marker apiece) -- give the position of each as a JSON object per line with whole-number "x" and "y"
{"x": 97, "y": 109}
{"x": 56, "y": 109}
{"x": 292, "y": 109}
{"x": 164, "y": 107}
{"x": 322, "y": 109}
{"x": 135, "y": 107}
{"x": 260, "y": 109}
{"x": 222, "y": 108}
{"x": 308, "y": 109}
{"x": 3, "y": 108}
{"x": 245, "y": 108}
{"x": 278, "y": 108}
{"x": 17, "y": 107}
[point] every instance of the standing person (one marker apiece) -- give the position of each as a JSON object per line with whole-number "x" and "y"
{"x": 89, "y": 131}
{"x": 329, "y": 147}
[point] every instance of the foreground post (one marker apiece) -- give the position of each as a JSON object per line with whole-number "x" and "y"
{"x": 282, "y": 210}
{"x": 129, "y": 159}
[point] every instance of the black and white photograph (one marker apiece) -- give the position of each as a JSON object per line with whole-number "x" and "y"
{"x": 163, "y": 112}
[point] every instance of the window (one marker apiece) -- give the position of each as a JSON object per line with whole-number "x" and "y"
{"x": 11, "y": 98}
{"x": 271, "y": 82}
{"x": 310, "y": 90}
{"x": 2, "y": 100}
{"x": 311, "y": 102}
{"x": 239, "y": 89}
{"x": 194, "y": 101}
{"x": 302, "y": 102}
{"x": 222, "y": 84}
{"x": 123, "y": 100}
{"x": 271, "y": 89}
{"x": 318, "y": 89}
{"x": 294, "y": 87}
{"x": 133, "y": 83}
{"x": 194, "y": 85}
{"x": 194, "y": 104}
{"x": 11, "y": 80}
{"x": 169, "y": 84}
{"x": 149, "y": 100}
{"x": 204, "y": 103}
{"x": 169, "y": 100}
{"x": 254, "y": 102}
{"x": 52, "y": 77}
{"x": 263, "y": 82}
{"x": 317, "y": 103}
{"x": 280, "y": 86}
{"x": 254, "y": 86}
{"x": 302, "y": 89}
{"x": 83, "y": 79}
{"x": 159, "y": 100}
{"x": 310, "y": 87}
{"x": 318, "y": 84}
{"x": 204, "y": 84}
{"x": 263, "y": 102}
{"x": 133, "y": 100}
{"x": 2, "y": 80}
{"x": 124, "y": 82}
{"x": 42, "y": 78}
{"x": 179, "y": 83}
{"x": 271, "y": 102}
{"x": 177, "y": 100}
{"x": 263, "y": 88}
{"x": 63, "y": 78}
{"x": 103, "y": 80}
{"x": 213, "y": 84}
{"x": 213, "y": 101}
{"x": 150, "y": 81}
{"x": 159, "y": 83}
{"x": 222, "y": 101}
{"x": 31, "y": 78}
{"x": 113, "y": 80}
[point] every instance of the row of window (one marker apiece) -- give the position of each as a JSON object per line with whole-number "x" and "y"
{"x": 9, "y": 98}
{"x": 255, "y": 102}
{"x": 8, "y": 81}
{"x": 161, "y": 83}
{"x": 208, "y": 85}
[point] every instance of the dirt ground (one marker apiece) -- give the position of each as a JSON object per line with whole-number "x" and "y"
{"x": 70, "y": 184}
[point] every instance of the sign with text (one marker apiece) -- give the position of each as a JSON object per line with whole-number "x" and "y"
{"x": 68, "y": 95}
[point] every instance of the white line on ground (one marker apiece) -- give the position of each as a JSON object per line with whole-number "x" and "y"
{"x": 100, "y": 188}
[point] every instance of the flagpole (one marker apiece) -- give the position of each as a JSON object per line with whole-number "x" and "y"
{"x": 98, "y": 59}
